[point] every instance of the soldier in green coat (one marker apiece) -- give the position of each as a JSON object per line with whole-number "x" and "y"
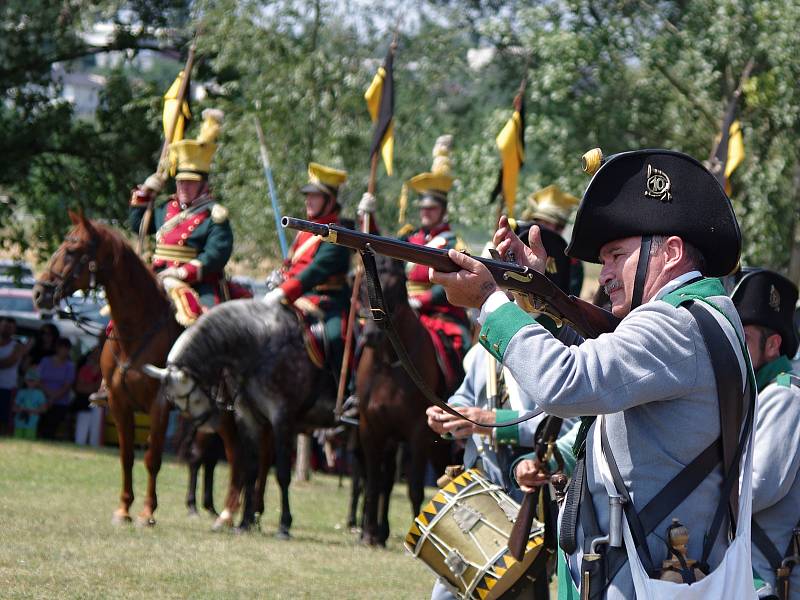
{"x": 194, "y": 239}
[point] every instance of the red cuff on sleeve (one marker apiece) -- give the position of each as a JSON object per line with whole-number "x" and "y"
{"x": 292, "y": 288}
{"x": 425, "y": 299}
{"x": 139, "y": 197}
{"x": 191, "y": 272}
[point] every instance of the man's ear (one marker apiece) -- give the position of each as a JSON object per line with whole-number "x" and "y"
{"x": 675, "y": 250}
{"x": 772, "y": 346}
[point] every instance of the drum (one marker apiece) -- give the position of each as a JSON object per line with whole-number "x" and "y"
{"x": 462, "y": 535}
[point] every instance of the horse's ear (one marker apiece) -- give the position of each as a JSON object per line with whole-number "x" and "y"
{"x": 74, "y": 217}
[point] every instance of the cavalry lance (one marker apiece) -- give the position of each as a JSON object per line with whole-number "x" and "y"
{"x": 273, "y": 195}
{"x": 348, "y": 341}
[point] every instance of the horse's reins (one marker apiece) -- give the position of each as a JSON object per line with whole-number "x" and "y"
{"x": 383, "y": 319}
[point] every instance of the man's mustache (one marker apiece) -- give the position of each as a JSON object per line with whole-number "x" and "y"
{"x": 612, "y": 285}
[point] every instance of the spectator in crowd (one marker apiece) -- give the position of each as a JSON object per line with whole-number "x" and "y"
{"x": 88, "y": 419}
{"x": 45, "y": 343}
{"x": 11, "y": 352}
{"x": 57, "y": 373}
{"x": 29, "y": 403}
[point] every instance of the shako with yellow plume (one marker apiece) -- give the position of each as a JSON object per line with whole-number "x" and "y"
{"x": 324, "y": 180}
{"x": 190, "y": 160}
{"x": 551, "y": 204}
{"x": 434, "y": 185}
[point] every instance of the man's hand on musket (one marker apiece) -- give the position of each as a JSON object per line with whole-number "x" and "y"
{"x": 531, "y": 474}
{"x": 470, "y": 286}
{"x": 506, "y": 240}
{"x": 442, "y": 422}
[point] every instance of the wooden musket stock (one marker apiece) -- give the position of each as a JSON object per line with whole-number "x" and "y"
{"x": 533, "y": 291}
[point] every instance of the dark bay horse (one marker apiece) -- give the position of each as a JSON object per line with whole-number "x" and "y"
{"x": 392, "y": 409}
{"x": 144, "y": 330}
{"x": 259, "y": 349}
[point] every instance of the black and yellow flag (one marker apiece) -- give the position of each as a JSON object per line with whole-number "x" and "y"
{"x": 380, "y": 103}
{"x": 511, "y": 144}
{"x": 174, "y": 125}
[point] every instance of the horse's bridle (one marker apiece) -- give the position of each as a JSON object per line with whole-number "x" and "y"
{"x": 74, "y": 269}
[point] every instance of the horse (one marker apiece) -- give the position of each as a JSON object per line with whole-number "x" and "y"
{"x": 392, "y": 409}
{"x": 94, "y": 255}
{"x": 259, "y": 349}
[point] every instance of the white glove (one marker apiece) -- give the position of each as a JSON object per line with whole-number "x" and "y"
{"x": 274, "y": 296}
{"x": 170, "y": 283}
{"x": 173, "y": 272}
{"x": 415, "y": 303}
{"x": 367, "y": 204}
{"x": 155, "y": 182}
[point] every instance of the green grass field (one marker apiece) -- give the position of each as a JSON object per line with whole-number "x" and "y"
{"x": 57, "y": 541}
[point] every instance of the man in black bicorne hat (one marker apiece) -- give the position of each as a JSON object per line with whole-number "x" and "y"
{"x": 766, "y": 303}
{"x": 659, "y": 441}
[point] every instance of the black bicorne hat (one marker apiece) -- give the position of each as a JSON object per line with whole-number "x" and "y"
{"x": 657, "y": 192}
{"x": 768, "y": 299}
{"x": 559, "y": 265}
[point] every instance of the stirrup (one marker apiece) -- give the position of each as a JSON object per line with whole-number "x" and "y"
{"x": 349, "y": 414}
{"x": 99, "y": 398}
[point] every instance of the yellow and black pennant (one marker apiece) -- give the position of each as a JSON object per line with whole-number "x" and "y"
{"x": 175, "y": 134}
{"x": 511, "y": 144}
{"x": 380, "y": 103}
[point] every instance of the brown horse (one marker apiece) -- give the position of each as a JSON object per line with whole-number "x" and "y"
{"x": 144, "y": 330}
{"x": 392, "y": 407}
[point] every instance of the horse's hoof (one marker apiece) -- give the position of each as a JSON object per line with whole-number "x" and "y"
{"x": 145, "y": 521}
{"x": 282, "y": 534}
{"x": 120, "y": 519}
{"x": 192, "y": 511}
{"x": 221, "y": 525}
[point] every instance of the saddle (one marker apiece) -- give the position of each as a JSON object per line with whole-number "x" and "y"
{"x": 312, "y": 325}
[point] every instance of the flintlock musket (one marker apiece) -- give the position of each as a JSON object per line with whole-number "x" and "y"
{"x": 532, "y": 290}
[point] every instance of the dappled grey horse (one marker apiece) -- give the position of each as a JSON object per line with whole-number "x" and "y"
{"x": 260, "y": 351}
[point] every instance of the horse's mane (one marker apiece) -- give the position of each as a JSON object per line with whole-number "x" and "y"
{"x": 242, "y": 334}
{"x": 124, "y": 257}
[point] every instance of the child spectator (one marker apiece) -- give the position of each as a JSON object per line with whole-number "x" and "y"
{"x": 29, "y": 403}
{"x": 11, "y": 352}
{"x": 57, "y": 374}
{"x": 88, "y": 419}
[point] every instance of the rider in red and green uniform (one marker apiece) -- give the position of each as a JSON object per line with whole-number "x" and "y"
{"x": 194, "y": 239}
{"x": 315, "y": 274}
{"x": 448, "y": 325}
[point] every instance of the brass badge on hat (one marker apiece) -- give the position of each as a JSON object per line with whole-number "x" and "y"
{"x": 774, "y": 299}
{"x": 658, "y": 185}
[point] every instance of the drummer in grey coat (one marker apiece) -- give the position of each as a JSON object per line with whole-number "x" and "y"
{"x": 766, "y": 301}
{"x": 658, "y": 222}
{"x": 494, "y": 459}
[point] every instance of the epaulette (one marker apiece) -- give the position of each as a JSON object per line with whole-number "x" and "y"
{"x": 405, "y": 230}
{"x": 219, "y": 214}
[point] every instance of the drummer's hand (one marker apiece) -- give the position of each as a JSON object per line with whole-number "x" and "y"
{"x": 435, "y": 420}
{"x": 443, "y": 422}
{"x": 531, "y": 474}
{"x": 476, "y": 414}
{"x": 534, "y": 256}
{"x": 470, "y": 286}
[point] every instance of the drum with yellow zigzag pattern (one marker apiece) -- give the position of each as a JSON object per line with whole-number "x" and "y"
{"x": 462, "y": 535}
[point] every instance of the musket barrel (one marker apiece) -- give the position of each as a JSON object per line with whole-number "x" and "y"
{"x": 303, "y": 225}
{"x": 587, "y": 319}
